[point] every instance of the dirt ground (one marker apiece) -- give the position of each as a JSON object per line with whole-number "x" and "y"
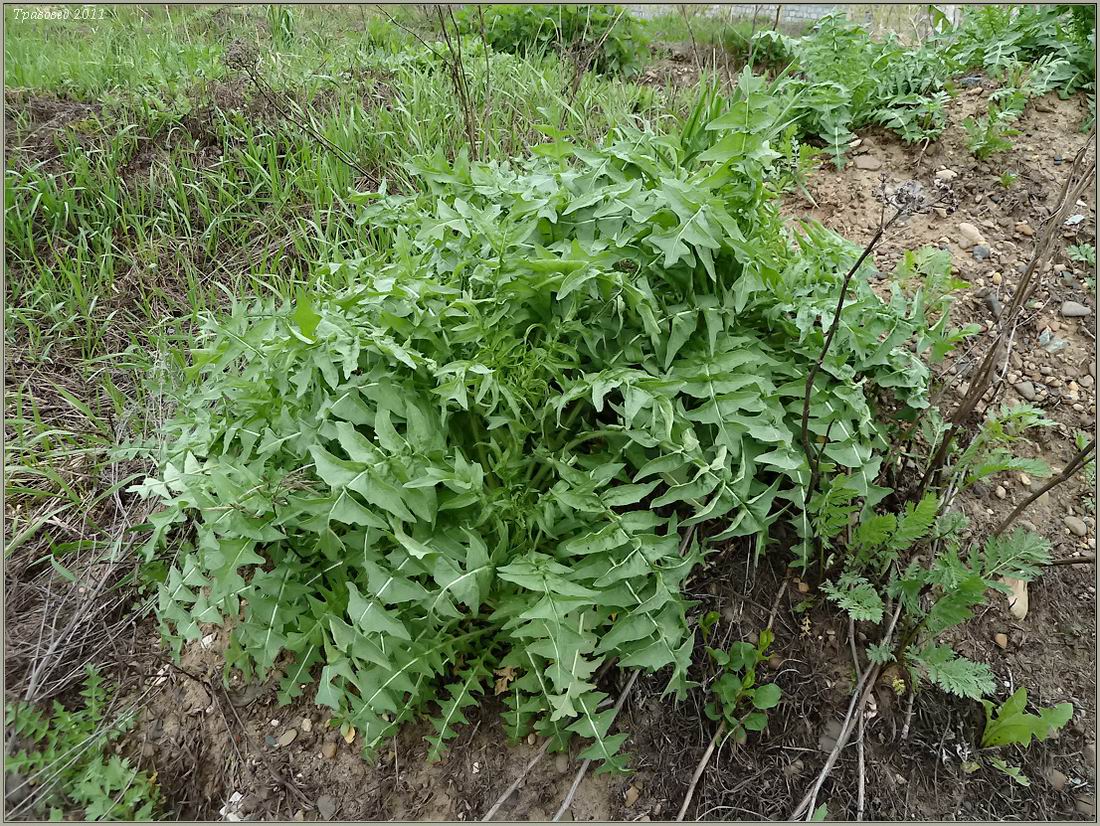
{"x": 231, "y": 753}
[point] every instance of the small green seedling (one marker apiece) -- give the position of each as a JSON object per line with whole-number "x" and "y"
{"x": 1011, "y": 725}
{"x": 738, "y": 700}
{"x": 1082, "y": 254}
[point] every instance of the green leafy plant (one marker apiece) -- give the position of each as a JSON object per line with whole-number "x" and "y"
{"x": 916, "y": 117}
{"x": 616, "y": 37}
{"x": 990, "y": 134}
{"x": 990, "y": 451}
{"x": 1082, "y": 253}
{"x": 1008, "y": 179}
{"x": 936, "y": 595}
{"x": 62, "y": 766}
{"x": 841, "y": 79}
{"x": 1011, "y": 724}
{"x": 281, "y": 20}
{"x": 737, "y": 698}
{"x": 479, "y": 457}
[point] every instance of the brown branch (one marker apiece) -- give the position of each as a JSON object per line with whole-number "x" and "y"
{"x": 269, "y": 93}
{"x": 812, "y": 457}
{"x": 1084, "y": 559}
{"x": 859, "y": 699}
{"x": 1076, "y": 464}
{"x": 1073, "y": 186}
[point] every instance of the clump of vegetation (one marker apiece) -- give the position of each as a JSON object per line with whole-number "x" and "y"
{"x": 989, "y": 134}
{"x": 1082, "y": 253}
{"x": 614, "y": 38}
{"x": 842, "y": 79}
{"x": 1010, "y": 724}
{"x": 480, "y": 460}
{"x": 738, "y": 699}
{"x": 62, "y": 765}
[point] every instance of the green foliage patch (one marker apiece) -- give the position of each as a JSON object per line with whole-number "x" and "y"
{"x": 480, "y": 460}
{"x": 615, "y": 38}
{"x": 842, "y": 79}
{"x": 69, "y": 769}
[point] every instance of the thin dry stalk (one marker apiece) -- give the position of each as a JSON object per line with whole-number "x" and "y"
{"x": 1068, "y": 472}
{"x": 859, "y": 699}
{"x": 1080, "y": 176}
{"x": 583, "y": 770}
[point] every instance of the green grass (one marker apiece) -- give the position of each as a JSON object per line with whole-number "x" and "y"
{"x": 162, "y": 191}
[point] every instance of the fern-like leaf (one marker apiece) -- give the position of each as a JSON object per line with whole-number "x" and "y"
{"x": 916, "y": 522}
{"x": 954, "y": 674}
{"x": 1020, "y": 555}
{"x": 857, "y": 596}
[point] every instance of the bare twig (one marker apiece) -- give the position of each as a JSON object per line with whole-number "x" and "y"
{"x": 859, "y": 741}
{"x": 1076, "y": 464}
{"x": 1084, "y": 559}
{"x": 582, "y": 64}
{"x": 458, "y": 76}
{"x": 272, "y": 98}
{"x": 518, "y": 781}
{"x": 908, "y": 716}
{"x": 1077, "y": 180}
{"x": 699, "y": 770}
{"x": 862, "y": 774}
{"x": 859, "y": 699}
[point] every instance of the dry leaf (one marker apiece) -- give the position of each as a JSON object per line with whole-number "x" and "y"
{"x": 504, "y": 677}
{"x": 632, "y": 795}
{"x": 349, "y": 735}
{"x": 1017, "y": 600}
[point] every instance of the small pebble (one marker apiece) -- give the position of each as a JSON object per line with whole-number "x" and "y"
{"x": 1056, "y": 779}
{"x": 969, "y": 235}
{"x": 1075, "y": 309}
{"x": 1027, "y": 390}
{"x": 1076, "y": 526}
{"x": 1001, "y": 492}
{"x": 287, "y": 737}
{"x": 980, "y": 252}
{"x": 306, "y": 725}
{"x": 326, "y": 806}
{"x": 1001, "y": 640}
{"x": 328, "y": 750}
{"x": 1024, "y": 228}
